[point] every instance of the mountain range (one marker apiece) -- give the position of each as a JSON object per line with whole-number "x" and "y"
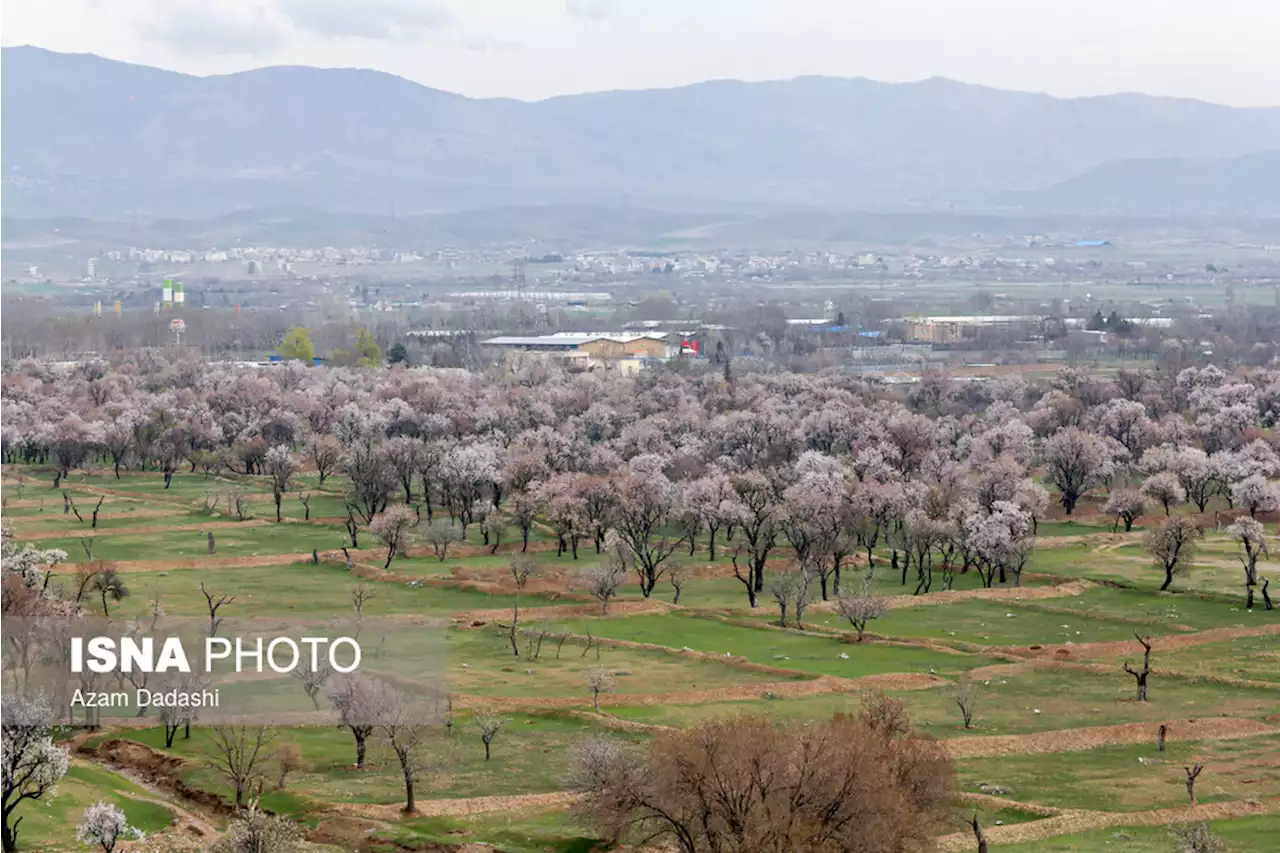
{"x": 93, "y": 137}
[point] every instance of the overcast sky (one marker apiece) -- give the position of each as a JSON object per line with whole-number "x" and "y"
{"x": 1224, "y": 51}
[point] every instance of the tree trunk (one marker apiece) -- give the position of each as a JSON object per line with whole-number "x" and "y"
{"x": 1160, "y": 738}
{"x": 486, "y": 750}
{"x": 1168, "y": 579}
{"x": 410, "y": 806}
{"x": 978, "y": 834}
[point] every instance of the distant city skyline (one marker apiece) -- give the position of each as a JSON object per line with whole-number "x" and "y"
{"x": 533, "y": 49}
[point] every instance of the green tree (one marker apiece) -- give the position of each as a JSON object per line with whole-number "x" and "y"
{"x": 297, "y": 344}
{"x": 367, "y": 348}
{"x": 397, "y": 354}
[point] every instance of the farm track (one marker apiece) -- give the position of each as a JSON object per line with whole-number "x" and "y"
{"x": 1008, "y": 593}
{"x": 1092, "y": 737}
{"x": 821, "y": 686}
{"x": 1079, "y": 820}
{"x": 143, "y": 530}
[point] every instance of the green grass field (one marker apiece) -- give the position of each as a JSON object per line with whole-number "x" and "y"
{"x": 746, "y": 665}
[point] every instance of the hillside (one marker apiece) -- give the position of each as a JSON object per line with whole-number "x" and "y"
{"x": 1249, "y": 184}
{"x": 88, "y": 136}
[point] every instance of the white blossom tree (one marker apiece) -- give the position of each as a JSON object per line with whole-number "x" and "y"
{"x": 103, "y": 826}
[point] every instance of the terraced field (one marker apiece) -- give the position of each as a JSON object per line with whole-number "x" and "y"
{"x": 1060, "y": 757}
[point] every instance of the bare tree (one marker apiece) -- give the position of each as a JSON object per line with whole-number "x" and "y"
{"x": 361, "y": 705}
{"x": 1173, "y": 546}
{"x": 1193, "y": 773}
{"x": 791, "y": 590}
{"x": 353, "y": 527}
{"x": 304, "y": 498}
{"x": 440, "y": 534}
{"x": 859, "y": 609}
{"x": 325, "y": 452}
{"x": 978, "y": 833}
{"x": 392, "y": 528}
{"x": 522, "y": 568}
{"x": 751, "y": 783}
{"x": 1141, "y": 675}
{"x": 96, "y": 509}
{"x": 600, "y": 680}
{"x": 214, "y": 619}
{"x": 312, "y": 678}
{"x": 237, "y": 499}
{"x": 406, "y": 733}
{"x": 360, "y": 596}
{"x": 602, "y": 581}
{"x": 173, "y": 718}
{"x": 488, "y": 725}
{"x": 289, "y": 760}
{"x": 239, "y": 754}
{"x": 966, "y": 699}
{"x": 678, "y": 577}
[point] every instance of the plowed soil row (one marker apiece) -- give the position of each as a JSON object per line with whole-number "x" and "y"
{"x": 1080, "y": 821}
{"x": 1127, "y": 647}
{"x": 142, "y": 530}
{"x": 458, "y": 807}
{"x": 1025, "y": 593}
{"x": 824, "y": 685}
{"x": 1070, "y": 740}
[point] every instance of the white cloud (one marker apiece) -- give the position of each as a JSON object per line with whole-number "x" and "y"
{"x": 591, "y": 10}
{"x": 192, "y": 26}
{"x": 395, "y": 20}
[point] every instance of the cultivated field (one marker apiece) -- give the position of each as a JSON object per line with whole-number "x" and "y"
{"x": 1060, "y": 756}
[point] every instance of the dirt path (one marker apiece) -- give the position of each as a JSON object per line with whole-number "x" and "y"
{"x": 825, "y": 685}
{"x": 458, "y": 807}
{"x": 142, "y": 530}
{"x": 1119, "y": 649}
{"x": 1067, "y": 740}
{"x": 1077, "y": 820}
{"x": 212, "y": 563}
{"x": 562, "y": 611}
{"x": 1025, "y": 593}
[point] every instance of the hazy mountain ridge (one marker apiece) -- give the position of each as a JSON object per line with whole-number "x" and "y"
{"x": 90, "y": 136}
{"x": 1248, "y": 184}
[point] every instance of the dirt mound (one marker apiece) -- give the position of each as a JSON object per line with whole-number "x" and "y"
{"x": 1126, "y": 647}
{"x": 1073, "y": 821}
{"x": 563, "y": 611}
{"x": 1006, "y": 593}
{"x": 155, "y": 769}
{"x": 458, "y": 807}
{"x": 1063, "y": 740}
{"x": 740, "y": 692}
{"x": 144, "y": 529}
